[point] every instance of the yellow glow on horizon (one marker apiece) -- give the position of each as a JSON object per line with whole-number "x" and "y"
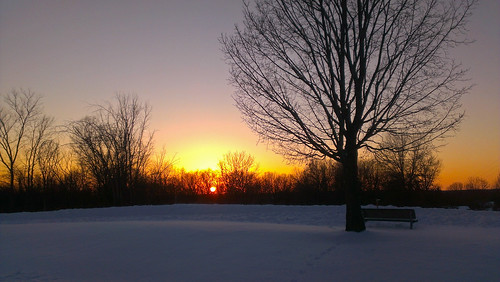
{"x": 198, "y": 154}
{"x": 197, "y": 159}
{"x": 201, "y": 162}
{"x": 201, "y": 146}
{"x": 201, "y": 156}
{"x": 479, "y": 160}
{"x": 194, "y": 153}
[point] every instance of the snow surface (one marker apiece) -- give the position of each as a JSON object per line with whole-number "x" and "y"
{"x": 246, "y": 243}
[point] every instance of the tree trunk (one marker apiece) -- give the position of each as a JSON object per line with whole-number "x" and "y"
{"x": 11, "y": 172}
{"x": 354, "y": 218}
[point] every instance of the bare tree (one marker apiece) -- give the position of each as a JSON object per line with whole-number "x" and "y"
{"x": 274, "y": 183}
{"x": 456, "y": 186}
{"x": 72, "y": 175}
{"x": 22, "y": 127}
{"x": 114, "y": 144}
{"x": 371, "y": 175}
{"x": 476, "y": 183}
{"x": 39, "y": 132}
{"x": 160, "y": 168}
{"x": 319, "y": 176}
{"x": 188, "y": 183}
{"x": 409, "y": 167}
{"x": 237, "y": 171}
{"x": 208, "y": 179}
{"x": 49, "y": 160}
{"x": 330, "y": 77}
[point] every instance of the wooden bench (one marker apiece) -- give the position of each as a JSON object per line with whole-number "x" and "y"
{"x": 400, "y": 215}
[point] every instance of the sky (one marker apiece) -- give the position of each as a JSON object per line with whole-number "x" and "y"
{"x": 78, "y": 53}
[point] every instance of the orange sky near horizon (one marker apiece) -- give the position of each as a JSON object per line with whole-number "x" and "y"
{"x": 76, "y": 53}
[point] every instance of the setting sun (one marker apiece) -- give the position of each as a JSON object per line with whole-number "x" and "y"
{"x": 213, "y": 189}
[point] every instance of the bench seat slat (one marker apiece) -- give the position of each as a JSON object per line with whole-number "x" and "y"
{"x": 399, "y": 215}
{"x": 390, "y": 219}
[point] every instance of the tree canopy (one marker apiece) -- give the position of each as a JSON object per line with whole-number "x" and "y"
{"x": 325, "y": 78}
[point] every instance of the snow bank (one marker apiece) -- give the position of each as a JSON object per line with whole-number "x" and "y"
{"x": 305, "y": 215}
{"x": 245, "y": 243}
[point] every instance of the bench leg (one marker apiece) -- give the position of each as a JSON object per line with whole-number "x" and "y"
{"x": 411, "y": 224}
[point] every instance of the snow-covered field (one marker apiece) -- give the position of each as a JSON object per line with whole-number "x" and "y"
{"x": 246, "y": 243}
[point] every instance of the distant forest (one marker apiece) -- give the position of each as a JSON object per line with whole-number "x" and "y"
{"x": 108, "y": 158}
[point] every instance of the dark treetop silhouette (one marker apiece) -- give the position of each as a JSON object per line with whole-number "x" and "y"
{"x": 327, "y": 78}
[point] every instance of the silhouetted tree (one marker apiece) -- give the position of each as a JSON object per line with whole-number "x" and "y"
{"x": 72, "y": 175}
{"x": 50, "y": 161}
{"x": 319, "y": 176}
{"x": 189, "y": 183}
{"x": 237, "y": 172}
{"x": 273, "y": 183}
{"x": 456, "y": 186}
{"x": 39, "y": 133}
{"x": 207, "y": 178}
{"x": 160, "y": 168}
{"x": 476, "y": 183}
{"x": 497, "y": 183}
{"x": 23, "y": 128}
{"x": 408, "y": 167}
{"x": 370, "y": 174}
{"x": 114, "y": 144}
{"x": 329, "y": 77}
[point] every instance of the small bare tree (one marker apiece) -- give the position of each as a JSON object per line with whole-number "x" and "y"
{"x": 319, "y": 176}
{"x": 161, "y": 168}
{"x": 39, "y": 133}
{"x": 371, "y": 175}
{"x": 476, "y": 183}
{"x": 326, "y": 78}
{"x": 274, "y": 183}
{"x": 409, "y": 167}
{"x": 208, "y": 179}
{"x": 456, "y": 186}
{"x": 49, "y": 160}
{"x": 237, "y": 171}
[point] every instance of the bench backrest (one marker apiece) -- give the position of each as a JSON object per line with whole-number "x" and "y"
{"x": 389, "y": 213}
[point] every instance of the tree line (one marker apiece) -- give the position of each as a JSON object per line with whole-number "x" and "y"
{"x": 108, "y": 158}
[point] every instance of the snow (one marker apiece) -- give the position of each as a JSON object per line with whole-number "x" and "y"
{"x": 246, "y": 243}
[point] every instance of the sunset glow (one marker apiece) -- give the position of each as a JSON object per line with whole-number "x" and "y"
{"x": 83, "y": 53}
{"x": 199, "y": 161}
{"x": 213, "y": 189}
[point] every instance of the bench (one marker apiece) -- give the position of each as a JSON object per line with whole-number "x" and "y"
{"x": 400, "y": 215}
